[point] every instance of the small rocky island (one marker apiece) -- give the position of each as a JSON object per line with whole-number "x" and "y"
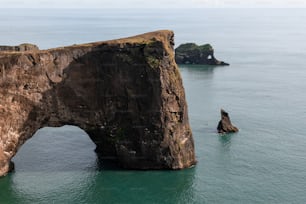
{"x": 225, "y": 124}
{"x": 191, "y": 53}
{"x": 127, "y": 94}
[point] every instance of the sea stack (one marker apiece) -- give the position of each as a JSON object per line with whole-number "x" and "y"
{"x": 191, "y": 53}
{"x": 225, "y": 125}
{"x": 126, "y": 94}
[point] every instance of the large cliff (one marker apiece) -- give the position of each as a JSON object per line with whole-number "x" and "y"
{"x": 127, "y": 94}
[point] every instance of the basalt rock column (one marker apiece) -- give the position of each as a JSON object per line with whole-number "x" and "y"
{"x": 127, "y": 94}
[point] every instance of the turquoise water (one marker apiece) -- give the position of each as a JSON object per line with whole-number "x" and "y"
{"x": 263, "y": 90}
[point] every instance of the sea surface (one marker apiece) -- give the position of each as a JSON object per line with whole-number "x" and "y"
{"x": 263, "y": 90}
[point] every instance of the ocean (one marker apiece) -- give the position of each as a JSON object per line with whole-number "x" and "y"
{"x": 262, "y": 89}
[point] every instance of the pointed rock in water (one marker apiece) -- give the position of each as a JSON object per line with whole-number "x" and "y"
{"x": 191, "y": 53}
{"x": 225, "y": 125}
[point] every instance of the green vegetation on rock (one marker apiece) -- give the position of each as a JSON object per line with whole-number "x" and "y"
{"x": 187, "y": 47}
{"x": 191, "y": 53}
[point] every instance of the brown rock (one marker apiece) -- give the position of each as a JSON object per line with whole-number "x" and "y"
{"x": 127, "y": 94}
{"x": 19, "y": 48}
{"x": 4, "y": 165}
{"x": 225, "y": 125}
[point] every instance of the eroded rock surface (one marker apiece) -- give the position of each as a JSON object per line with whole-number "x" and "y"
{"x": 225, "y": 124}
{"x": 191, "y": 53}
{"x": 127, "y": 94}
{"x": 19, "y": 48}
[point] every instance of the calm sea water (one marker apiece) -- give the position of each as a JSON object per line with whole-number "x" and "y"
{"x": 263, "y": 90}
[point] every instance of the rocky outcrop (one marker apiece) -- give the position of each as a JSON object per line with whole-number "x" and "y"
{"x": 190, "y": 53}
{"x": 127, "y": 94}
{"x": 19, "y": 48}
{"x": 225, "y": 125}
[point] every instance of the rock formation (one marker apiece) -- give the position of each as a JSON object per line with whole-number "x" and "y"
{"x": 225, "y": 125}
{"x": 190, "y": 53}
{"x": 127, "y": 94}
{"x": 19, "y": 48}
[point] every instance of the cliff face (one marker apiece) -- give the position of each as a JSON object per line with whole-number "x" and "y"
{"x": 127, "y": 94}
{"x": 190, "y": 53}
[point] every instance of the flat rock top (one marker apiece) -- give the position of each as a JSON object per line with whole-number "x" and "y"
{"x": 19, "y": 48}
{"x": 161, "y": 36}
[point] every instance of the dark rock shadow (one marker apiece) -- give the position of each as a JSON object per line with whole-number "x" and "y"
{"x": 111, "y": 93}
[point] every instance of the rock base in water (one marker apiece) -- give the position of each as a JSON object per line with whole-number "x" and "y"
{"x": 225, "y": 125}
{"x": 190, "y": 53}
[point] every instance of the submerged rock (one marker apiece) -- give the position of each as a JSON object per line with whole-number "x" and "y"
{"x": 127, "y": 94}
{"x": 191, "y": 53}
{"x": 225, "y": 125}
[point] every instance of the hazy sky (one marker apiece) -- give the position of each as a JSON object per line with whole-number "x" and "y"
{"x": 148, "y": 4}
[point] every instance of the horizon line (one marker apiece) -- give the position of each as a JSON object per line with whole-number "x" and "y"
{"x": 161, "y": 8}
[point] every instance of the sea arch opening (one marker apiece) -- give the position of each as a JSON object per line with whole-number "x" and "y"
{"x": 65, "y": 148}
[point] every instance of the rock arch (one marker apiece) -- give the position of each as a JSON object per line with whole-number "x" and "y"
{"x": 127, "y": 94}
{"x": 66, "y": 148}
